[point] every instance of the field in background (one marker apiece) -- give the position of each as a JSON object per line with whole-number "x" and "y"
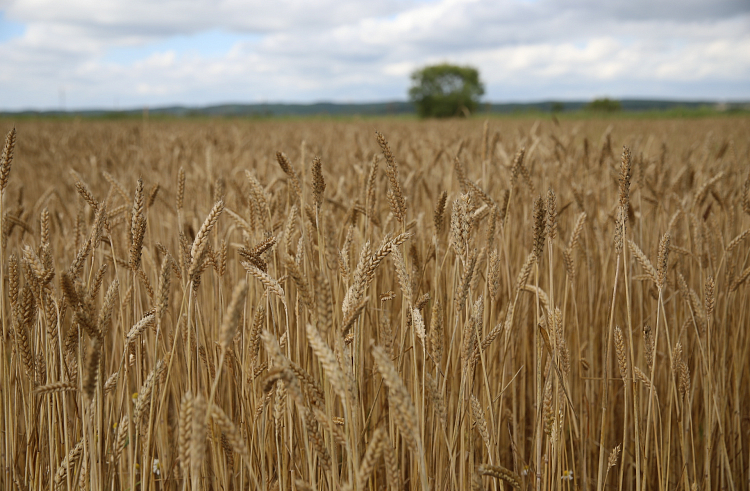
{"x": 461, "y": 305}
{"x": 577, "y": 109}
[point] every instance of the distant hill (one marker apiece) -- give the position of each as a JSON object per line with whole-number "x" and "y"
{"x": 373, "y": 109}
{"x": 626, "y": 104}
{"x": 245, "y": 110}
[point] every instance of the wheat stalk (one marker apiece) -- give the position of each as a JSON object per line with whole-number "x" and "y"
{"x": 501, "y": 473}
{"x": 327, "y": 360}
{"x": 403, "y": 410}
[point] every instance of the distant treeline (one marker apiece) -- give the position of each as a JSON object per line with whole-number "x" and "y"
{"x": 388, "y": 108}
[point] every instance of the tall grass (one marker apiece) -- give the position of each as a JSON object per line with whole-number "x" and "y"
{"x": 443, "y": 305}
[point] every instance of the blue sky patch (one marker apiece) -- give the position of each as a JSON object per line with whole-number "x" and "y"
{"x": 10, "y": 29}
{"x": 205, "y": 44}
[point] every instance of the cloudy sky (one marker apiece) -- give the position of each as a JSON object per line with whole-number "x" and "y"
{"x": 133, "y": 53}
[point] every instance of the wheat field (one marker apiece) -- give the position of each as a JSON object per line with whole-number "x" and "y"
{"x": 375, "y": 304}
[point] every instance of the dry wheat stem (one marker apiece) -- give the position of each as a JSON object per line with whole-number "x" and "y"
{"x": 299, "y": 398}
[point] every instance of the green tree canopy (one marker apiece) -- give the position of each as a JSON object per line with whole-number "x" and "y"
{"x": 446, "y": 90}
{"x": 604, "y": 105}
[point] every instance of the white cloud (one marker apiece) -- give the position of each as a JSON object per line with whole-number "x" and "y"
{"x": 297, "y": 50}
{"x": 402, "y": 69}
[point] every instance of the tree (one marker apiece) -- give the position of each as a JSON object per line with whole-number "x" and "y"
{"x": 604, "y": 105}
{"x": 446, "y": 90}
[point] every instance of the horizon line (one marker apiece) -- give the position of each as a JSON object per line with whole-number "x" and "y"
{"x": 386, "y": 102}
